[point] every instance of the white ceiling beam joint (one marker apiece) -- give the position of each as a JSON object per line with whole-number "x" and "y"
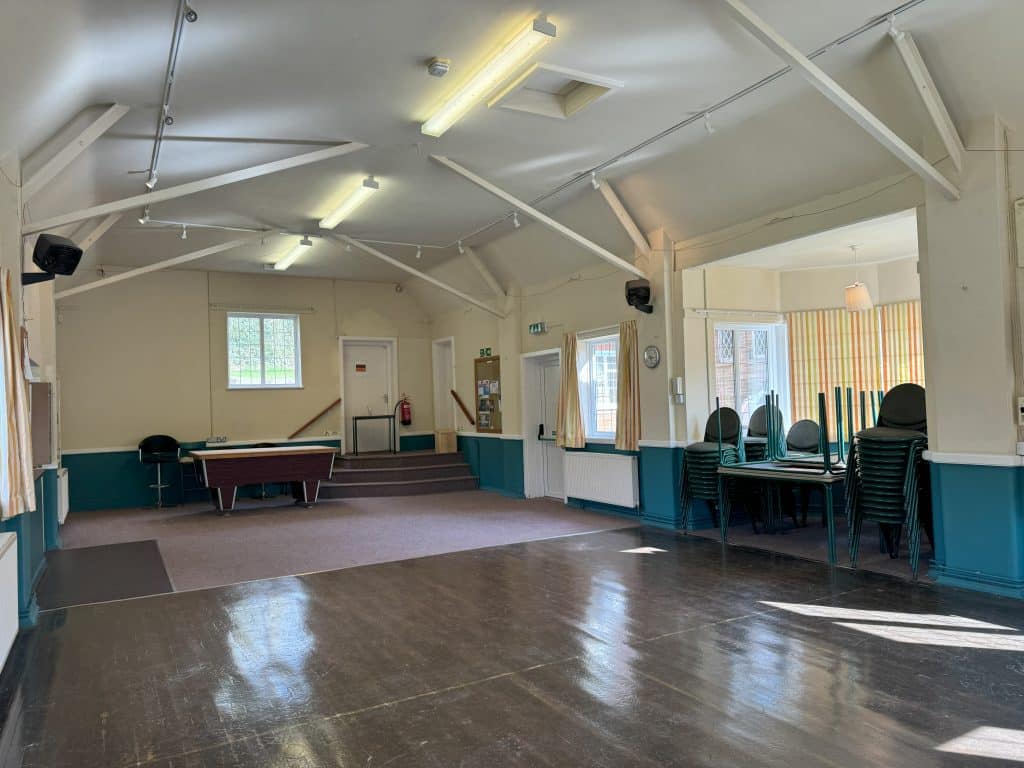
{"x": 625, "y": 219}
{"x": 485, "y": 272}
{"x": 346, "y": 240}
{"x": 542, "y": 218}
{"x": 52, "y": 167}
{"x": 841, "y": 98}
{"x": 183, "y": 259}
{"x": 192, "y": 187}
{"x": 88, "y": 240}
{"x": 929, "y": 94}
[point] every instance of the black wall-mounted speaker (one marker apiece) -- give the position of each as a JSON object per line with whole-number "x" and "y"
{"x": 56, "y": 254}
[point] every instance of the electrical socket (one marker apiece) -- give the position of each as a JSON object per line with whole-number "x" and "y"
{"x": 1020, "y": 411}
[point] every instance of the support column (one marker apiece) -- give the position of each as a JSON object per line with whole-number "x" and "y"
{"x": 968, "y": 307}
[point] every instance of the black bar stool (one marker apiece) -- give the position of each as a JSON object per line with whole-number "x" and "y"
{"x": 159, "y": 450}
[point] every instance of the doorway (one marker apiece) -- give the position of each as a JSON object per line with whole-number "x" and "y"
{"x": 444, "y": 382}
{"x": 368, "y": 385}
{"x": 542, "y": 459}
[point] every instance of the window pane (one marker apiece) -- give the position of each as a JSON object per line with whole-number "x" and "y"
{"x": 598, "y": 374}
{"x": 751, "y": 364}
{"x": 243, "y": 351}
{"x": 725, "y": 377}
{"x": 279, "y": 351}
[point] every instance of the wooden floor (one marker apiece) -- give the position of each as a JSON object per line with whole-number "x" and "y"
{"x": 564, "y": 652}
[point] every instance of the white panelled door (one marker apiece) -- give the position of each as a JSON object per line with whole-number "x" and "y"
{"x": 367, "y": 378}
{"x": 554, "y": 479}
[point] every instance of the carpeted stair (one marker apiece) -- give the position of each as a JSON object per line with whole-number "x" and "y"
{"x": 401, "y": 474}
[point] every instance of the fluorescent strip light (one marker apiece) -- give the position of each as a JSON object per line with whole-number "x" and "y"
{"x": 498, "y": 68}
{"x": 358, "y": 196}
{"x": 289, "y": 258}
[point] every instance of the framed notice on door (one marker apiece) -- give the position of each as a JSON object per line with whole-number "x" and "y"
{"x": 487, "y": 374}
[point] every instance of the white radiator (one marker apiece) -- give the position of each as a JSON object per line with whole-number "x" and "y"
{"x": 8, "y": 593}
{"x": 610, "y": 478}
{"x": 63, "y": 500}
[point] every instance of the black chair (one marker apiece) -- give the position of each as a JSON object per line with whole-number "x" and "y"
{"x": 721, "y": 445}
{"x": 804, "y": 437}
{"x": 159, "y": 450}
{"x": 755, "y": 444}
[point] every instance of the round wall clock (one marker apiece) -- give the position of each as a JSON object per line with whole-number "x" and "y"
{"x": 652, "y": 356}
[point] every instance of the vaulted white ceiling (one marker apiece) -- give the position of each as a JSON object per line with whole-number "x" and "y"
{"x": 262, "y": 81}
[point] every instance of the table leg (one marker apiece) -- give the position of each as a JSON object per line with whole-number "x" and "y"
{"x": 224, "y": 498}
{"x": 830, "y": 520}
{"x": 723, "y": 508}
{"x": 306, "y": 491}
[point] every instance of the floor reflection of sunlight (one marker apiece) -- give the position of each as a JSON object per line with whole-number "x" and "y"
{"x": 999, "y": 743}
{"x": 893, "y": 617}
{"x": 945, "y": 637}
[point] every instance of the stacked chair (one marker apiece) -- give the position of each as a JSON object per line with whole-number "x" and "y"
{"x": 755, "y": 444}
{"x": 722, "y": 444}
{"x": 886, "y": 478}
{"x": 804, "y": 437}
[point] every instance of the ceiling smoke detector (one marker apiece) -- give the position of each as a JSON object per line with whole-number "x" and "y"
{"x": 438, "y": 67}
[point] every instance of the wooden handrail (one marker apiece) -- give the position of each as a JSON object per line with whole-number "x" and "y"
{"x": 305, "y": 426}
{"x": 462, "y": 405}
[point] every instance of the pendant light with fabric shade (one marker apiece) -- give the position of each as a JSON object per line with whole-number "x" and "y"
{"x": 858, "y": 298}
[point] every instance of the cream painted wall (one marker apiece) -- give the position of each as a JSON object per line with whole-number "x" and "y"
{"x": 474, "y": 329}
{"x": 154, "y": 347}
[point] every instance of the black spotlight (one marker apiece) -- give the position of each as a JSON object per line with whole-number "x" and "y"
{"x": 55, "y": 255}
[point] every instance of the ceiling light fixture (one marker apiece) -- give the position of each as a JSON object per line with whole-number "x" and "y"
{"x": 289, "y": 258}
{"x": 515, "y": 220}
{"x": 857, "y": 296}
{"x": 501, "y": 65}
{"x": 461, "y": 249}
{"x": 144, "y": 218}
{"x": 594, "y": 181}
{"x": 707, "y": 123}
{"x": 357, "y": 197}
{"x": 184, "y": 232}
{"x": 190, "y": 14}
{"x": 151, "y": 181}
{"x": 419, "y": 252}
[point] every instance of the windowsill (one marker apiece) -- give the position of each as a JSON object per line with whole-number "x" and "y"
{"x": 264, "y": 387}
{"x": 601, "y": 440}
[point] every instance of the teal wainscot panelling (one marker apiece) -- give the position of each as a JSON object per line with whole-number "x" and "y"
{"x": 117, "y": 480}
{"x": 423, "y": 442}
{"x": 979, "y": 527}
{"x": 29, "y": 528}
{"x": 497, "y": 460}
{"x": 661, "y": 469}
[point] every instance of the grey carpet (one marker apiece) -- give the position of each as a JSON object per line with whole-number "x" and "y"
{"x": 102, "y": 573}
{"x": 274, "y": 538}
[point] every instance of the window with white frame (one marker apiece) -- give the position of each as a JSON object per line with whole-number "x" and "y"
{"x": 263, "y": 351}
{"x": 750, "y": 362}
{"x": 599, "y": 378}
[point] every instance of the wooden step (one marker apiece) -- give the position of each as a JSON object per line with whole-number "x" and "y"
{"x": 395, "y": 460}
{"x": 333, "y": 490}
{"x": 390, "y": 474}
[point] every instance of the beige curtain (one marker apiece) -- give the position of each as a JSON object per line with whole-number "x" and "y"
{"x": 17, "y": 486}
{"x": 627, "y": 416}
{"x": 570, "y": 420}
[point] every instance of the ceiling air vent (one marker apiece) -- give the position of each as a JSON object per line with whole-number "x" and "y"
{"x": 551, "y": 91}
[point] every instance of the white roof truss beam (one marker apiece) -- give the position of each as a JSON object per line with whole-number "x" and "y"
{"x": 929, "y": 94}
{"x": 182, "y": 190}
{"x": 615, "y": 203}
{"x": 485, "y": 272}
{"x": 52, "y": 167}
{"x": 88, "y": 240}
{"x": 183, "y": 259}
{"x": 841, "y": 98}
{"x": 542, "y": 218}
{"x": 346, "y": 240}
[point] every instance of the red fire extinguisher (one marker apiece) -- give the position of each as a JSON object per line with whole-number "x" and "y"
{"x": 405, "y": 411}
